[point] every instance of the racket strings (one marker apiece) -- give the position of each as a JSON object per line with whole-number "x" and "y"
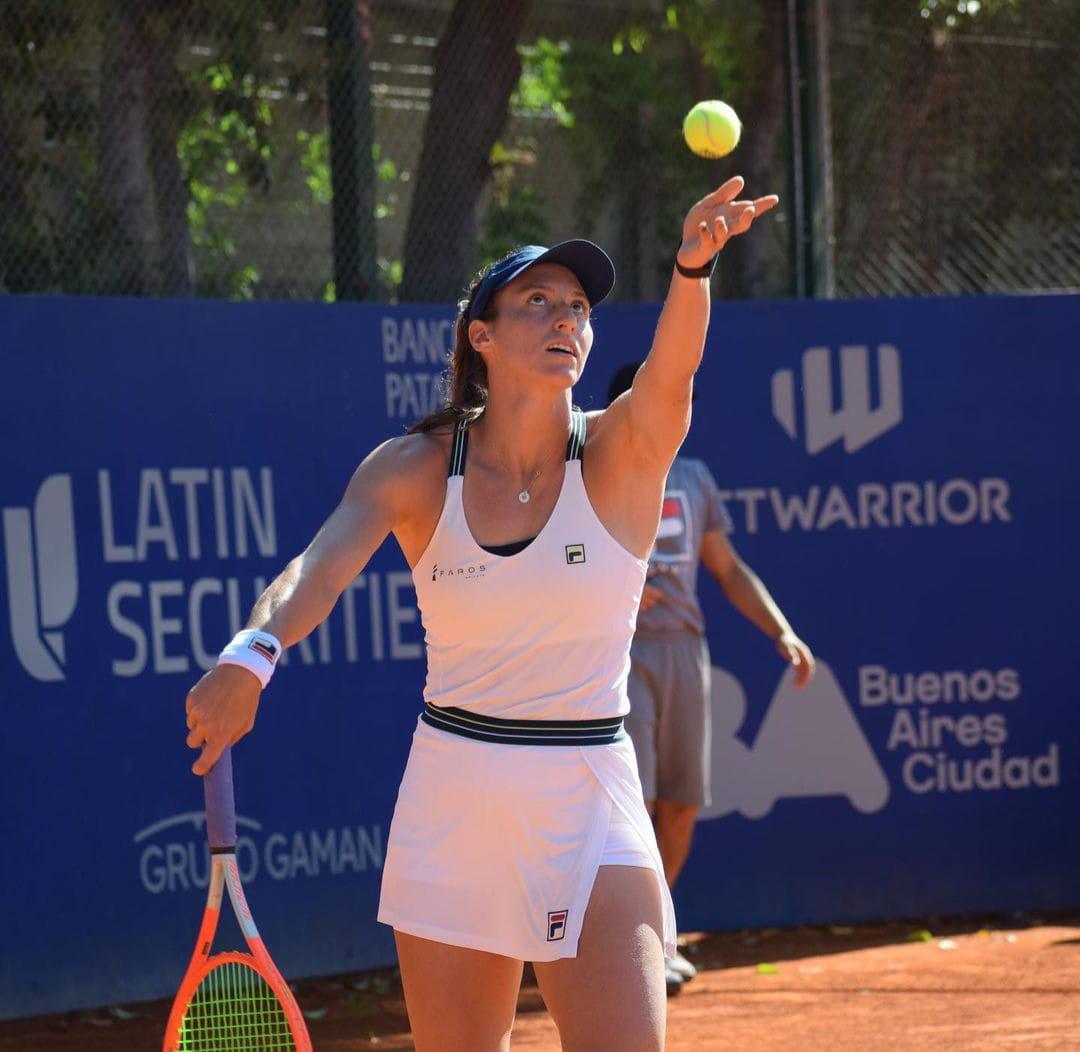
{"x": 234, "y": 1009}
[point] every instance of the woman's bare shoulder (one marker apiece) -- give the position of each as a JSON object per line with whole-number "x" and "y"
{"x": 413, "y": 459}
{"x": 404, "y": 476}
{"x": 407, "y": 477}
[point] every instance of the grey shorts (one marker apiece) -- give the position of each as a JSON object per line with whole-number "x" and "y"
{"x": 669, "y": 720}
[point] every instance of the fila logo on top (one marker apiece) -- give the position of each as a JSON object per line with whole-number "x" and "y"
{"x": 575, "y": 553}
{"x": 854, "y": 420}
{"x": 42, "y": 578}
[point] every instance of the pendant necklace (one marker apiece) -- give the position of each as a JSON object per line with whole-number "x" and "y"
{"x": 523, "y": 496}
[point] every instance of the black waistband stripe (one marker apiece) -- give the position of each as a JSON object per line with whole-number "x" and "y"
{"x": 523, "y": 732}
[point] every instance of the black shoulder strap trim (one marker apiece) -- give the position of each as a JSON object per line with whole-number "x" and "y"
{"x": 458, "y": 449}
{"x": 576, "y": 444}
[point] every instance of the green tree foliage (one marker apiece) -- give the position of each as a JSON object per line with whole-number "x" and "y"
{"x": 225, "y": 151}
{"x": 242, "y": 114}
{"x": 620, "y": 104}
{"x": 945, "y": 114}
{"x": 516, "y": 214}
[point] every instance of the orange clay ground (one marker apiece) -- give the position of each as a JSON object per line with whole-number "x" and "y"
{"x": 989, "y": 983}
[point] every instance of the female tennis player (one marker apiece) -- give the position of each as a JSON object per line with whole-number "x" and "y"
{"x": 520, "y": 833}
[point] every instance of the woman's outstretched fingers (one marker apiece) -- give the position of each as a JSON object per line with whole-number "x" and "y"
{"x": 763, "y": 204}
{"x": 726, "y": 192}
{"x": 743, "y": 218}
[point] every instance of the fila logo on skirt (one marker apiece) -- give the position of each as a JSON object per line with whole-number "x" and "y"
{"x": 556, "y": 925}
{"x": 575, "y": 553}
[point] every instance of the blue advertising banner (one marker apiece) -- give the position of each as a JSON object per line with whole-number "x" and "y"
{"x": 902, "y": 474}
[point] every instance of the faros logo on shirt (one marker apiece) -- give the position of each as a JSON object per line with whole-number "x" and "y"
{"x": 472, "y": 572}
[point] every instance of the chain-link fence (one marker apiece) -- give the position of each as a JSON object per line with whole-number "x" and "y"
{"x": 320, "y": 149}
{"x": 956, "y": 146}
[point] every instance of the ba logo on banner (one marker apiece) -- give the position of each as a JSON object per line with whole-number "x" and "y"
{"x": 556, "y": 925}
{"x": 809, "y": 744}
{"x": 43, "y": 581}
{"x": 855, "y": 421}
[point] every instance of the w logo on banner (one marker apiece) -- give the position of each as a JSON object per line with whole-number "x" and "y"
{"x": 556, "y": 925}
{"x": 42, "y": 579}
{"x": 854, "y": 420}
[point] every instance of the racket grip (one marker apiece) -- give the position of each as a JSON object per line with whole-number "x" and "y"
{"x": 220, "y": 808}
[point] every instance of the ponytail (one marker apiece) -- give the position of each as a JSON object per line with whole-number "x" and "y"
{"x": 466, "y": 374}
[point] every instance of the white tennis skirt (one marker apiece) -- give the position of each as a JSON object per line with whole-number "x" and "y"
{"x": 496, "y": 847}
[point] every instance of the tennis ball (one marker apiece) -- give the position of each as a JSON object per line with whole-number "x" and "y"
{"x": 712, "y": 129}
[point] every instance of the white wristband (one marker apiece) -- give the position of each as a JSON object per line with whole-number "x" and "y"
{"x": 254, "y": 650}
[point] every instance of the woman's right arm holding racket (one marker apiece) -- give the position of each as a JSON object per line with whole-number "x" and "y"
{"x": 380, "y": 498}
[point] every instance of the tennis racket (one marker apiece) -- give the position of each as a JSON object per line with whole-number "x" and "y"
{"x": 232, "y": 1001}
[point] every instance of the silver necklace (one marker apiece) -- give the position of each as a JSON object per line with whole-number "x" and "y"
{"x": 523, "y": 496}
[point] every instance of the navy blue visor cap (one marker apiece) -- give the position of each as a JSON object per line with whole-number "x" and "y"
{"x": 589, "y": 263}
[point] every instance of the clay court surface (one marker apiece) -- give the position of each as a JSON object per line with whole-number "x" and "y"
{"x": 992, "y": 983}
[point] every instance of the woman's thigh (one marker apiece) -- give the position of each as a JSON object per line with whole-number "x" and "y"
{"x": 611, "y": 996}
{"x": 459, "y": 1000}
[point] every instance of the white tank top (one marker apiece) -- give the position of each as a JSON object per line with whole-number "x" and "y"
{"x": 543, "y": 634}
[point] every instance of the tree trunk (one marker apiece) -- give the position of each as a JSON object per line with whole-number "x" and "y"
{"x": 744, "y": 263}
{"x": 166, "y": 112}
{"x": 123, "y": 176}
{"x": 352, "y": 167}
{"x": 476, "y": 69}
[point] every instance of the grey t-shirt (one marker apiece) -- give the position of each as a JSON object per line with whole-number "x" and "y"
{"x": 692, "y": 507}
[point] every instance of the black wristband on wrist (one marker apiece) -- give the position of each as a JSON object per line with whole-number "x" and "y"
{"x": 696, "y": 272}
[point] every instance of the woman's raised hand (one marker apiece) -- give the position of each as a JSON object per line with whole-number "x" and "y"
{"x": 716, "y": 218}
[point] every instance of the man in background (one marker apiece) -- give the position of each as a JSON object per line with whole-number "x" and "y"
{"x": 669, "y": 719}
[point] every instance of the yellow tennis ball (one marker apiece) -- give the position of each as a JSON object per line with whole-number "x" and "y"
{"x": 712, "y": 129}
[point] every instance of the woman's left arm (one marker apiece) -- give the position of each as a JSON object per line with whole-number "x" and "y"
{"x": 657, "y": 407}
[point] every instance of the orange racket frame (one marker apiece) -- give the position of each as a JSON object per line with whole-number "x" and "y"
{"x": 221, "y": 831}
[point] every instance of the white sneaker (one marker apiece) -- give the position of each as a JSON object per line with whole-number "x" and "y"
{"x": 681, "y": 965}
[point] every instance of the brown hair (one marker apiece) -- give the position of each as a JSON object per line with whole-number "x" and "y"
{"x": 466, "y": 373}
